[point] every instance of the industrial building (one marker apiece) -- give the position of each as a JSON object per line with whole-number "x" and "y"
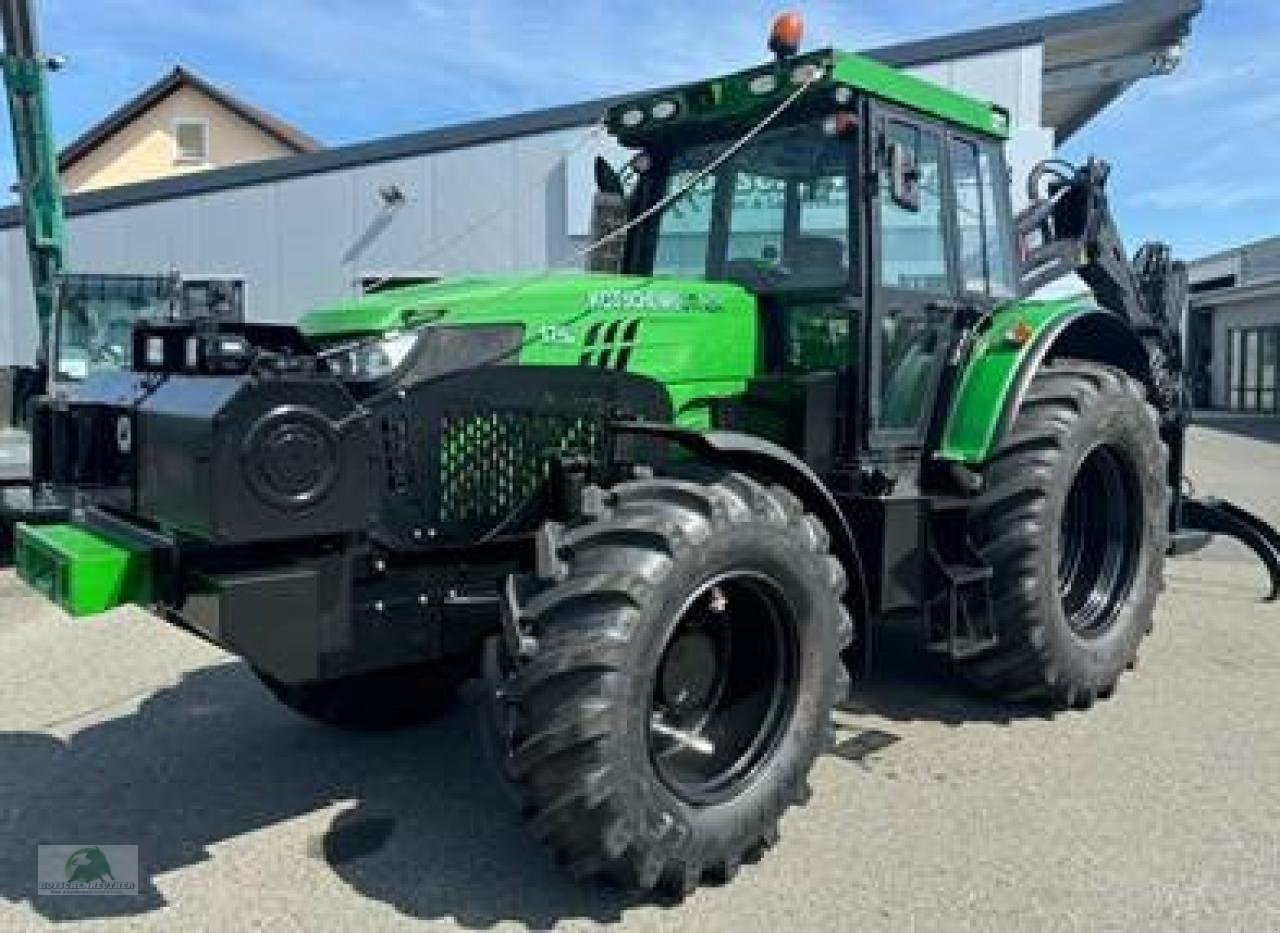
{"x": 1235, "y": 329}
{"x": 513, "y": 193}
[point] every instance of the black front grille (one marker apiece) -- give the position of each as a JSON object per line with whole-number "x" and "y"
{"x": 466, "y": 458}
{"x": 491, "y": 465}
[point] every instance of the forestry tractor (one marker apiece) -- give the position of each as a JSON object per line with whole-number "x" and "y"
{"x": 663, "y": 506}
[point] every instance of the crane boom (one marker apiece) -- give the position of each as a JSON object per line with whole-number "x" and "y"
{"x": 36, "y": 156}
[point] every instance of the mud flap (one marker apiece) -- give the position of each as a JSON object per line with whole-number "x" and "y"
{"x": 1219, "y": 517}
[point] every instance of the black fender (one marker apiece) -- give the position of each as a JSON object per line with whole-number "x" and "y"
{"x": 768, "y": 461}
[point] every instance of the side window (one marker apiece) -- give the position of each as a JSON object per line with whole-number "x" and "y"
{"x": 682, "y": 251}
{"x": 191, "y": 141}
{"x": 985, "y": 240}
{"x": 758, "y": 205}
{"x": 969, "y": 220}
{"x": 913, "y": 252}
{"x": 997, "y": 225}
{"x": 818, "y": 256}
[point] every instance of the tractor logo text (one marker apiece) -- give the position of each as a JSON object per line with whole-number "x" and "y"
{"x": 628, "y": 300}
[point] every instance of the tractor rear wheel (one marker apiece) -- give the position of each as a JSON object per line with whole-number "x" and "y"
{"x": 688, "y": 658}
{"x": 388, "y": 699}
{"x": 1073, "y": 520}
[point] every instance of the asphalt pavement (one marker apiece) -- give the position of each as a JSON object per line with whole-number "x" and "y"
{"x": 939, "y": 809}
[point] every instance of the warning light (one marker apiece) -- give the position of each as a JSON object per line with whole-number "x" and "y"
{"x": 840, "y": 123}
{"x": 788, "y": 30}
{"x": 1019, "y": 335}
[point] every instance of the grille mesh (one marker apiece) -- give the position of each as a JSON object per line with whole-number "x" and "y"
{"x": 491, "y": 464}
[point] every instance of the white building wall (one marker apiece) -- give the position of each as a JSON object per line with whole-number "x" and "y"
{"x": 512, "y": 205}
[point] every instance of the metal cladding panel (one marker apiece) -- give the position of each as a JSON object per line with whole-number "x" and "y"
{"x": 998, "y": 77}
{"x": 161, "y": 237}
{"x": 542, "y": 198}
{"x": 384, "y": 234}
{"x": 96, "y": 242}
{"x": 18, "y": 314}
{"x": 473, "y": 204}
{"x": 313, "y": 230}
{"x": 238, "y": 232}
{"x": 1261, "y": 262}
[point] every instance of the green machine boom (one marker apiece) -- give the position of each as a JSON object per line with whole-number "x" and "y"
{"x": 663, "y": 507}
{"x": 37, "y": 158}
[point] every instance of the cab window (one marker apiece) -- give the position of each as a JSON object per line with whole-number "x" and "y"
{"x": 984, "y": 240}
{"x": 913, "y": 252}
{"x": 773, "y": 217}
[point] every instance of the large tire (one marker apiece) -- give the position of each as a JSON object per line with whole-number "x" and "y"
{"x": 602, "y": 780}
{"x": 1073, "y": 521}
{"x": 389, "y": 699}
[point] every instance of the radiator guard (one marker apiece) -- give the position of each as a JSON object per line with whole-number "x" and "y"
{"x": 464, "y": 458}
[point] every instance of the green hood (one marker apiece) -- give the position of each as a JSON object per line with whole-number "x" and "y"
{"x": 529, "y": 298}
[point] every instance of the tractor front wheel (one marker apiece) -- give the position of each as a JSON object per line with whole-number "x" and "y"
{"x": 688, "y": 658}
{"x": 1073, "y": 521}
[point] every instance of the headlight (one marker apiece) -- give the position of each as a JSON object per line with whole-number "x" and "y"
{"x": 809, "y": 73}
{"x": 664, "y": 109}
{"x": 375, "y": 359}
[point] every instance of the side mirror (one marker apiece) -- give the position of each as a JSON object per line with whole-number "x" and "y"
{"x": 904, "y": 174}
{"x": 608, "y": 181}
{"x": 608, "y": 214}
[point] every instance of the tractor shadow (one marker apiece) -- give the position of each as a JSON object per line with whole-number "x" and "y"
{"x": 430, "y": 829}
{"x": 426, "y": 825}
{"x": 906, "y": 684}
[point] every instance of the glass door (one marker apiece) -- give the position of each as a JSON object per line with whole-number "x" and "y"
{"x": 913, "y": 280}
{"x": 1253, "y": 370}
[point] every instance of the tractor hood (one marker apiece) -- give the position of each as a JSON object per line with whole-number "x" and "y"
{"x": 542, "y": 299}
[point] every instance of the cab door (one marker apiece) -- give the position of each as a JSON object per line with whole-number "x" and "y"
{"x": 913, "y": 280}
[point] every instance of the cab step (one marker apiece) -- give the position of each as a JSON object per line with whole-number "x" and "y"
{"x": 959, "y": 620}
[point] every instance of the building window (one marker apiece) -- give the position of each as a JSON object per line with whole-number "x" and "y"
{"x": 1253, "y": 370}
{"x": 191, "y": 141}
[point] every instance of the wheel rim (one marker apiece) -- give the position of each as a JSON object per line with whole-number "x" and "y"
{"x": 724, "y": 689}
{"x": 1099, "y": 541}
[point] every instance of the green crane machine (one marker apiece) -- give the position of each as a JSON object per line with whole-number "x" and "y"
{"x": 40, "y": 192}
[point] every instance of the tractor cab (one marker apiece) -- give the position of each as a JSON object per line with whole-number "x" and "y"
{"x": 863, "y": 208}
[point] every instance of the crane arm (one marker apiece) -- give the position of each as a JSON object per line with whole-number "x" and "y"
{"x": 36, "y": 156}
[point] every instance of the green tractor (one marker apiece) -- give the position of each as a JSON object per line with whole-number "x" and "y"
{"x": 663, "y": 507}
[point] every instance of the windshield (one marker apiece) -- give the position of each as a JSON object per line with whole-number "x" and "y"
{"x": 775, "y": 215}
{"x": 95, "y": 319}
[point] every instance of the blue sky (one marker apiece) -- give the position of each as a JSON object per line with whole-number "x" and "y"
{"x": 1193, "y": 153}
